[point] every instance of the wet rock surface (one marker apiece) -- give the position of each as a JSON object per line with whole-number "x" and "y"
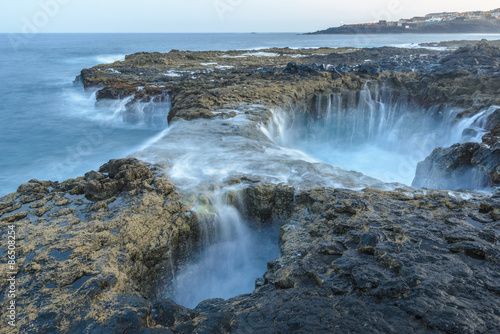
{"x": 457, "y": 44}
{"x": 93, "y": 252}
{"x": 200, "y": 83}
{"x": 351, "y": 261}
{"x": 203, "y": 83}
{"x": 378, "y": 262}
{"x": 462, "y": 166}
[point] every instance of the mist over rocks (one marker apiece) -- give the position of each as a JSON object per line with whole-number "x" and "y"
{"x": 96, "y": 252}
{"x": 383, "y": 261}
{"x": 202, "y": 83}
{"x": 95, "y": 247}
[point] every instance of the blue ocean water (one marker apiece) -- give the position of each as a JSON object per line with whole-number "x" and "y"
{"x": 50, "y": 128}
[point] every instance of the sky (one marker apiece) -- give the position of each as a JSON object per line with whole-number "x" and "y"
{"x": 167, "y": 16}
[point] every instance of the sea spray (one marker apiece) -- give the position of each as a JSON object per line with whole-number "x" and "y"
{"x": 152, "y": 111}
{"x": 148, "y": 112}
{"x": 373, "y": 132}
{"x": 234, "y": 255}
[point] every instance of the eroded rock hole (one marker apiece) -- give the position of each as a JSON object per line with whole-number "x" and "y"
{"x": 374, "y": 131}
{"x": 234, "y": 254}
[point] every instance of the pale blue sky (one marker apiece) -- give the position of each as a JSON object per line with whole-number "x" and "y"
{"x": 211, "y": 15}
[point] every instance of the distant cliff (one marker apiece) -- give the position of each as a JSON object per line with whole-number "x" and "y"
{"x": 448, "y": 27}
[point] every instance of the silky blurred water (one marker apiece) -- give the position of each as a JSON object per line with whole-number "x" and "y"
{"x": 50, "y": 128}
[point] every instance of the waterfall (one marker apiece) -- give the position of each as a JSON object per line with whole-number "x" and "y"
{"x": 148, "y": 112}
{"x": 373, "y": 132}
{"x": 152, "y": 110}
{"x": 234, "y": 256}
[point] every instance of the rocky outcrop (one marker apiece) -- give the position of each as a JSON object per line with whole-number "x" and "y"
{"x": 458, "y": 44}
{"x": 369, "y": 261}
{"x": 462, "y": 166}
{"x": 265, "y": 203}
{"x": 378, "y": 262}
{"x": 91, "y": 251}
{"x": 94, "y": 252}
{"x": 200, "y": 83}
{"x": 483, "y": 26}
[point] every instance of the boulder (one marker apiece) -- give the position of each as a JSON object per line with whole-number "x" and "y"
{"x": 358, "y": 261}
{"x": 114, "y": 177}
{"x": 461, "y": 166}
{"x": 266, "y": 203}
{"x": 34, "y": 187}
{"x": 89, "y": 264}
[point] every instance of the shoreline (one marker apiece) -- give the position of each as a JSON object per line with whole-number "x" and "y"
{"x": 104, "y": 247}
{"x": 446, "y": 27}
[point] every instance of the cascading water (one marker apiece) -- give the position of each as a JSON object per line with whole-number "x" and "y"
{"x": 373, "y": 133}
{"x": 234, "y": 256}
{"x": 363, "y": 131}
{"x": 149, "y": 112}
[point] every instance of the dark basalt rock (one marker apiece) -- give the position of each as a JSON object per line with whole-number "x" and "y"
{"x": 369, "y": 261}
{"x": 266, "y": 202}
{"x": 466, "y": 78}
{"x": 100, "y": 247}
{"x": 34, "y": 187}
{"x": 482, "y": 54}
{"x": 462, "y": 166}
{"x": 76, "y": 256}
{"x": 122, "y": 175}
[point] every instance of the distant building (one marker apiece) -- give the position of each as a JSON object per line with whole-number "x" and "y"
{"x": 433, "y": 18}
{"x": 443, "y": 16}
{"x": 416, "y": 22}
{"x": 402, "y": 22}
{"x": 360, "y": 24}
{"x": 475, "y": 15}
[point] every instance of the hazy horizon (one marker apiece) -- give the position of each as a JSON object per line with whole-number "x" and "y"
{"x": 210, "y": 16}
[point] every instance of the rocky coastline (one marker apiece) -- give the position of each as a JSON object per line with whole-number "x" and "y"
{"x": 95, "y": 252}
{"x": 447, "y": 27}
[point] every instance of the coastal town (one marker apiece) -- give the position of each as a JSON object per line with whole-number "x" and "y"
{"x": 433, "y": 18}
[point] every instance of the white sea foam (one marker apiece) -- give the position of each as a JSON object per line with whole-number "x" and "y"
{"x": 260, "y": 54}
{"x": 172, "y": 73}
{"x": 373, "y": 135}
{"x": 108, "y": 59}
{"x": 116, "y": 113}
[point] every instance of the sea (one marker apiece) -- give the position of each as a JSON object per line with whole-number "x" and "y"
{"x": 51, "y": 128}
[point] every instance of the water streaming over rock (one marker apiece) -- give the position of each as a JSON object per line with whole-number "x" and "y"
{"x": 369, "y": 131}
{"x": 233, "y": 257}
{"x": 149, "y": 112}
{"x": 373, "y": 131}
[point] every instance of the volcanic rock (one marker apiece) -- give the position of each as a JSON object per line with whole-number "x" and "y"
{"x": 462, "y": 166}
